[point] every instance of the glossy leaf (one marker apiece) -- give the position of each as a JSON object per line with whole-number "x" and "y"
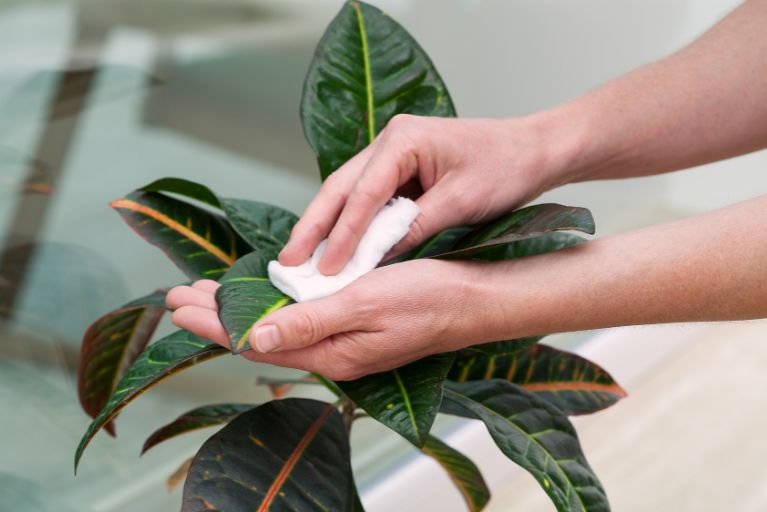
{"x": 405, "y": 399}
{"x": 461, "y": 470}
{"x": 572, "y": 383}
{"x": 242, "y": 301}
{"x": 495, "y": 348}
{"x": 253, "y": 264}
{"x": 197, "y": 418}
{"x": 534, "y": 434}
{"x": 290, "y": 454}
{"x": 261, "y": 225}
{"x": 531, "y": 247}
{"x": 160, "y": 360}
{"x": 200, "y": 242}
{"x": 440, "y": 243}
{"x": 109, "y": 347}
{"x": 366, "y": 69}
{"x": 530, "y": 222}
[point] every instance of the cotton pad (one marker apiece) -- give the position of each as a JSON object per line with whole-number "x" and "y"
{"x": 306, "y": 282}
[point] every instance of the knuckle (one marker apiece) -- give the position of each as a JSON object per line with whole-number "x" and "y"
{"x": 400, "y": 122}
{"x": 306, "y": 328}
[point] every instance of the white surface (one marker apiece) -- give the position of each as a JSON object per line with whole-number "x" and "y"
{"x": 306, "y": 282}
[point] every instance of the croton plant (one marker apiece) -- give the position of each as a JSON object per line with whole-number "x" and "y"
{"x": 293, "y": 453}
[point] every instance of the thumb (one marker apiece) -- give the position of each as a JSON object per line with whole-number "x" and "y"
{"x": 300, "y": 325}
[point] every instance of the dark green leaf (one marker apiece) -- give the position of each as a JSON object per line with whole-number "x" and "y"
{"x": 200, "y": 242}
{"x": 253, "y": 264}
{"x": 185, "y": 188}
{"x": 531, "y": 247}
{"x": 160, "y": 360}
{"x": 109, "y": 347}
{"x": 290, "y": 454}
{"x": 261, "y": 225}
{"x": 243, "y": 301}
{"x": 572, "y": 383}
{"x": 462, "y": 471}
{"x": 440, "y": 243}
{"x": 366, "y": 69}
{"x": 534, "y": 434}
{"x": 530, "y": 222}
{"x": 496, "y": 348}
{"x": 405, "y": 399}
{"x": 197, "y": 418}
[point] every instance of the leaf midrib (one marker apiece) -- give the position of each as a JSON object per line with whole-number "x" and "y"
{"x": 406, "y": 400}
{"x": 368, "y": 74}
{"x": 530, "y": 439}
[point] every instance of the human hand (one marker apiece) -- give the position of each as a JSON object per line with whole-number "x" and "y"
{"x": 390, "y": 316}
{"x": 470, "y": 171}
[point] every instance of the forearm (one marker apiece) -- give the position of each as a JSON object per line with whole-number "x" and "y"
{"x": 708, "y": 267}
{"x": 704, "y": 103}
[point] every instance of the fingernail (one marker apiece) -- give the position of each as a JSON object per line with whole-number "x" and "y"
{"x": 267, "y": 338}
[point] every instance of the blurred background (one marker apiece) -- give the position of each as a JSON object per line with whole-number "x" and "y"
{"x": 98, "y": 97}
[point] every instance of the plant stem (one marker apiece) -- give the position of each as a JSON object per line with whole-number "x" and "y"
{"x": 347, "y": 411}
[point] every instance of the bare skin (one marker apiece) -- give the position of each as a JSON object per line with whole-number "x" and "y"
{"x": 704, "y": 103}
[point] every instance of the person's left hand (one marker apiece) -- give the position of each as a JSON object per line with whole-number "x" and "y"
{"x": 390, "y": 316}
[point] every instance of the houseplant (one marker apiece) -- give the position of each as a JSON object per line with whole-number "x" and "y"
{"x": 293, "y": 453}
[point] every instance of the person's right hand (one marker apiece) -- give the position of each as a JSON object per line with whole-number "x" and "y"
{"x": 469, "y": 171}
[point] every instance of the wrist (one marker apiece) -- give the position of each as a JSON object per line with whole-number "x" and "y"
{"x": 567, "y": 143}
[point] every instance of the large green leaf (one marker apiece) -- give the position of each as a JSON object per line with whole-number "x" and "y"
{"x": 405, "y": 399}
{"x": 534, "y": 434}
{"x": 530, "y": 247}
{"x": 462, "y": 471}
{"x": 200, "y": 242}
{"x": 496, "y": 348}
{"x": 366, "y": 69}
{"x": 243, "y": 301}
{"x": 572, "y": 383}
{"x": 197, "y": 418}
{"x": 442, "y": 242}
{"x": 261, "y": 225}
{"x": 529, "y": 222}
{"x": 109, "y": 347}
{"x": 290, "y": 454}
{"x": 160, "y": 360}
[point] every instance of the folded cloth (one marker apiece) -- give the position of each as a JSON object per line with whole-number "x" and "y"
{"x": 306, "y": 282}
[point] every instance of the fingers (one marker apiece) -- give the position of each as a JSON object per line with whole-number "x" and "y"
{"x": 393, "y": 163}
{"x": 200, "y": 294}
{"x": 203, "y": 322}
{"x": 432, "y": 219}
{"x": 303, "y": 324}
{"x": 322, "y": 213}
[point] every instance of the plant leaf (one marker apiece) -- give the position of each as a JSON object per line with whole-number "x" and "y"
{"x": 440, "y": 243}
{"x": 405, "y": 399}
{"x": 243, "y": 301}
{"x": 495, "y": 348}
{"x": 530, "y": 222}
{"x": 534, "y": 434}
{"x": 201, "y": 243}
{"x": 261, "y": 225}
{"x": 197, "y": 418}
{"x": 572, "y": 383}
{"x": 109, "y": 347}
{"x": 160, "y": 360}
{"x": 290, "y": 454}
{"x": 461, "y": 470}
{"x": 366, "y": 69}
{"x": 531, "y": 247}
{"x": 178, "y": 476}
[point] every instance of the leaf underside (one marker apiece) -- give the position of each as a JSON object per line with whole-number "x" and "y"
{"x": 535, "y": 435}
{"x": 461, "y": 470}
{"x": 197, "y": 418}
{"x": 572, "y": 383}
{"x": 405, "y": 399}
{"x": 290, "y": 454}
{"x": 160, "y": 360}
{"x": 366, "y": 70}
{"x": 109, "y": 347}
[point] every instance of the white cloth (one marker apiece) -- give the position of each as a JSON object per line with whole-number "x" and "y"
{"x": 306, "y": 282}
